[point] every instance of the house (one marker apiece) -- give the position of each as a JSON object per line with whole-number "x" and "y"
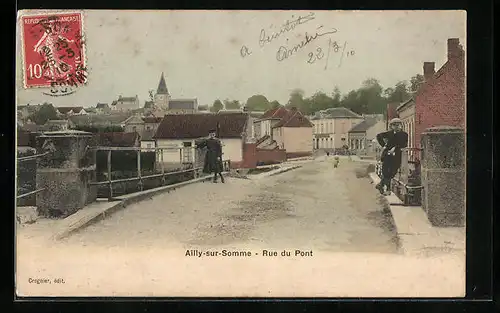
{"x": 134, "y": 123}
{"x": 59, "y": 125}
{"x": 118, "y": 139}
{"x": 362, "y": 137}
{"x": 440, "y": 99}
{"x": 147, "y": 142}
{"x": 125, "y": 103}
{"x": 182, "y": 106}
{"x": 151, "y": 123}
{"x": 69, "y": 111}
{"x": 263, "y": 125}
{"x": 331, "y": 127}
{"x": 293, "y": 133}
{"x": 100, "y": 120}
{"x": 177, "y": 133}
{"x": 102, "y": 108}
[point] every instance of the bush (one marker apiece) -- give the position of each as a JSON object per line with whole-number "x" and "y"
{"x": 125, "y": 161}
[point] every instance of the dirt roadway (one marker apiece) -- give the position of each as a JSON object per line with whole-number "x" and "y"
{"x": 346, "y": 244}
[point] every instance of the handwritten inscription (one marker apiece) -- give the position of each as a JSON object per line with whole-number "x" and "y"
{"x": 285, "y": 52}
{"x": 334, "y": 47}
{"x": 266, "y": 38}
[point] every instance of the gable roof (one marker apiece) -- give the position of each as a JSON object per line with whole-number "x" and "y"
{"x": 152, "y": 119}
{"x": 127, "y": 99}
{"x": 134, "y": 119}
{"x": 364, "y": 125}
{"x": 199, "y": 125}
{"x": 293, "y": 118}
{"x": 182, "y": 104}
{"x": 278, "y": 112}
{"x": 147, "y": 135}
{"x": 117, "y": 139}
{"x": 99, "y": 119}
{"x": 65, "y": 110}
{"x": 340, "y": 112}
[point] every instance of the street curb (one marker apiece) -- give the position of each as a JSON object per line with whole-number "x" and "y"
{"x": 283, "y": 170}
{"x": 275, "y": 172}
{"x": 123, "y": 203}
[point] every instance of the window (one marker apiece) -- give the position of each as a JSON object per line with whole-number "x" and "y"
{"x": 134, "y": 129}
{"x": 148, "y": 128}
{"x": 149, "y": 145}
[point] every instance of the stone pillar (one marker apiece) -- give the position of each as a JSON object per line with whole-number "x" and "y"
{"x": 65, "y": 173}
{"x": 443, "y": 175}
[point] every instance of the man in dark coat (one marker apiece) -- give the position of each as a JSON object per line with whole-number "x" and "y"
{"x": 213, "y": 156}
{"x": 392, "y": 142}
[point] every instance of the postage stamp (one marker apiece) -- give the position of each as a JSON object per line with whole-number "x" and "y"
{"x": 53, "y": 51}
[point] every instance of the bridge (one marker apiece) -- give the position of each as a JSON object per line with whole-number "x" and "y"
{"x": 197, "y": 239}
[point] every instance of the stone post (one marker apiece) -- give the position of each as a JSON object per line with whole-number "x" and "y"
{"x": 443, "y": 175}
{"x": 65, "y": 173}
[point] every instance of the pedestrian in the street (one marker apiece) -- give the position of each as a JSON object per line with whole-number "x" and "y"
{"x": 213, "y": 156}
{"x": 336, "y": 161}
{"x": 392, "y": 142}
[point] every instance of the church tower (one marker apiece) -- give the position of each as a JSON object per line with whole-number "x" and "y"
{"x": 162, "y": 96}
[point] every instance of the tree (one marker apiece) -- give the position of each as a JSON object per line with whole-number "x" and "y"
{"x": 336, "y": 97}
{"x": 319, "y": 101}
{"x": 296, "y": 99}
{"x": 274, "y": 104}
{"x": 415, "y": 82}
{"x": 216, "y": 106}
{"x": 45, "y": 113}
{"x": 258, "y": 103}
{"x": 232, "y": 105}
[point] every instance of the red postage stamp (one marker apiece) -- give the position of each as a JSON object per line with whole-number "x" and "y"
{"x": 53, "y": 50}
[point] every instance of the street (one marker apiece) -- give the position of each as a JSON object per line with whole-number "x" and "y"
{"x": 232, "y": 239}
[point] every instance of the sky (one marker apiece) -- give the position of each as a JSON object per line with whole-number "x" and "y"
{"x": 200, "y": 52}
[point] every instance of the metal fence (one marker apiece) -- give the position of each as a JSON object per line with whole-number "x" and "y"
{"x": 190, "y": 160}
{"x": 26, "y": 159}
{"x": 407, "y": 182}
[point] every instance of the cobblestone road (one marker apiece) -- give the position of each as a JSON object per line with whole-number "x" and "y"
{"x": 335, "y": 213}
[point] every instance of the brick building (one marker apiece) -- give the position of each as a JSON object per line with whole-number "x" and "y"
{"x": 440, "y": 100}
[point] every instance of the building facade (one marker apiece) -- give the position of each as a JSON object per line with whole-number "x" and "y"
{"x": 331, "y": 127}
{"x": 440, "y": 100}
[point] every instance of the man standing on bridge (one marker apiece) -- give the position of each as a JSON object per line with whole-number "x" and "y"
{"x": 213, "y": 156}
{"x": 392, "y": 142}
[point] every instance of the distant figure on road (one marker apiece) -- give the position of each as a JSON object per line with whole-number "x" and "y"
{"x": 336, "y": 161}
{"x": 213, "y": 157}
{"x": 392, "y": 142}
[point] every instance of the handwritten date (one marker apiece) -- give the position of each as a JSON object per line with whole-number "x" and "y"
{"x": 318, "y": 54}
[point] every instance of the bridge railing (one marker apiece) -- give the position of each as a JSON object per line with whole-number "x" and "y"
{"x": 26, "y": 159}
{"x": 190, "y": 160}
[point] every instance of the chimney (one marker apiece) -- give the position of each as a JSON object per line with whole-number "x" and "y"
{"x": 429, "y": 70}
{"x": 454, "y": 48}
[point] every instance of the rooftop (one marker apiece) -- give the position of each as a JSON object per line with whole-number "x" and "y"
{"x": 199, "y": 125}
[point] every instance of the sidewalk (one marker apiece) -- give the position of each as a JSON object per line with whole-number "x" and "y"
{"x": 56, "y": 229}
{"x": 416, "y": 234}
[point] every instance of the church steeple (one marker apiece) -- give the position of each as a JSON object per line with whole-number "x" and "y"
{"x": 162, "y": 86}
